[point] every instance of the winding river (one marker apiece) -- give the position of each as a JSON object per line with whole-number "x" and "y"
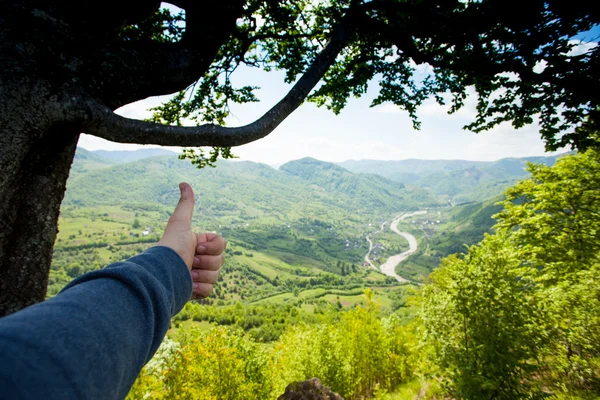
{"x": 389, "y": 268}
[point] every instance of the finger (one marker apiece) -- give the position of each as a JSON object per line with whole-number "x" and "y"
{"x": 214, "y": 247}
{"x": 204, "y": 276}
{"x": 211, "y": 263}
{"x": 185, "y": 208}
{"x": 201, "y": 290}
{"x": 197, "y": 297}
{"x": 207, "y": 236}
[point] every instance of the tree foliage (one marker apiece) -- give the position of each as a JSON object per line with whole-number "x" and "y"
{"x": 483, "y": 322}
{"x": 357, "y": 353}
{"x": 553, "y": 221}
{"x": 518, "y": 315}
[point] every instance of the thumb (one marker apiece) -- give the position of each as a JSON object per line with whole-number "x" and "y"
{"x": 185, "y": 208}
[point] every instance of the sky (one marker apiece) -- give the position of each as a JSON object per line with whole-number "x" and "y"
{"x": 359, "y": 131}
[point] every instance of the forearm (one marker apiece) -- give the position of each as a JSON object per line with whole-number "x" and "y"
{"x": 93, "y": 338}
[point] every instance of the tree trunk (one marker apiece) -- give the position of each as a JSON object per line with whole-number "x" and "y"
{"x": 35, "y": 159}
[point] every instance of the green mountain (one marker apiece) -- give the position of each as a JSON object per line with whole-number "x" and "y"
{"x": 86, "y": 161}
{"x": 310, "y": 209}
{"x": 457, "y": 180}
{"x": 361, "y": 190}
{"x": 306, "y": 218}
{"x": 240, "y": 189}
{"x": 125, "y": 156}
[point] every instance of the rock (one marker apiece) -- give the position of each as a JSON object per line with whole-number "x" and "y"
{"x": 311, "y": 389}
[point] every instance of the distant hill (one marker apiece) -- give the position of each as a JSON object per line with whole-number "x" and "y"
{"x": 87, "y": 161}
{"x": 416, "y": 183}
{"x": 125, "y": 156}
{"x": 408, "y": 171}
{"x": 458, "y": 180}
{"x": 373, "y": 191}
{"x": 245, "y": 190}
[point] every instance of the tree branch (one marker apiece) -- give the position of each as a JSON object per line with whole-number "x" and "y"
{"x": 147, "y": 68}
{"x": 99, "y": 120}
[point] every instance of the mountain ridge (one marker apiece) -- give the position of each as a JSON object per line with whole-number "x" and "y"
{"x": 124, "y": 156}
{"x": 453, "y": 181}
{"x": 232, "y": 187}
{"x": 459, "y": 181}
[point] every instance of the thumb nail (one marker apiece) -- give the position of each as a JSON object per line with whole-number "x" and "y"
{"x": 181, "y": 188}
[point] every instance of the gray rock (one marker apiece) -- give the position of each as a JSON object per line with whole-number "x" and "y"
{"x": 312, "y": 389}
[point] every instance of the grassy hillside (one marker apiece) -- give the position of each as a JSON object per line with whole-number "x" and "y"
{"x": 360, "y": 190}
{"x": 237, "y": 193}
{"x": 459, "y": 181}
{"x": 294, "y": 228}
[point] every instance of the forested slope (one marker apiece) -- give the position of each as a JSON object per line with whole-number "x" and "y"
{"x": 457, "y": 180}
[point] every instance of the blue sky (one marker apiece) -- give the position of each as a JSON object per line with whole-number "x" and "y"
{"x": 359, "y": 132}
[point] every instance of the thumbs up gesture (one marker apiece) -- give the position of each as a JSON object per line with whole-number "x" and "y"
{"x": 202, "y": 252}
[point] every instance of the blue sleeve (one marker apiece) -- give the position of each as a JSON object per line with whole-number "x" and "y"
{"x": 92, "y": 339}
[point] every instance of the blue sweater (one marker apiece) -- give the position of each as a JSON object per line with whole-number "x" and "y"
{"x": 92, "y": 339}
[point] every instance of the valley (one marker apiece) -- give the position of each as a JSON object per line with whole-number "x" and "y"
{"x": 301, "y": 235}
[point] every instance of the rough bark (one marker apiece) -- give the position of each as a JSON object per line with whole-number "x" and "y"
{"x": 35, "y": 158}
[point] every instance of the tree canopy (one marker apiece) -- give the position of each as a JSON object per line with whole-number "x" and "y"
{"x": 522, "y": 65}
{"x": 520, "y": 58}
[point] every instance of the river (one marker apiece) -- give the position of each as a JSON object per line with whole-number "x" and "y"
{"x": 389, "y": 268}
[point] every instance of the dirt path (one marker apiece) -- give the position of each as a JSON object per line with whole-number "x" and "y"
{"x": 367, "y": 259}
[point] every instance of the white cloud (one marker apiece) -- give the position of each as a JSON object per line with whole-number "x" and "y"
{"x": 581, "y": 47}
{"x": 504, "y": 141}
{"x": 139, "y": 109}
{"x": 388, "y": 108}
{"x": 173, "y": 8}
{"x": 90, "y": 142}
{"x": 431, "y": 109}
{"x": 280, "y": 148}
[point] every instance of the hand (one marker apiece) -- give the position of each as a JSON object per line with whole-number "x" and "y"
{"x": 208, "y": 260}
{"x": 201, "y": 252}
